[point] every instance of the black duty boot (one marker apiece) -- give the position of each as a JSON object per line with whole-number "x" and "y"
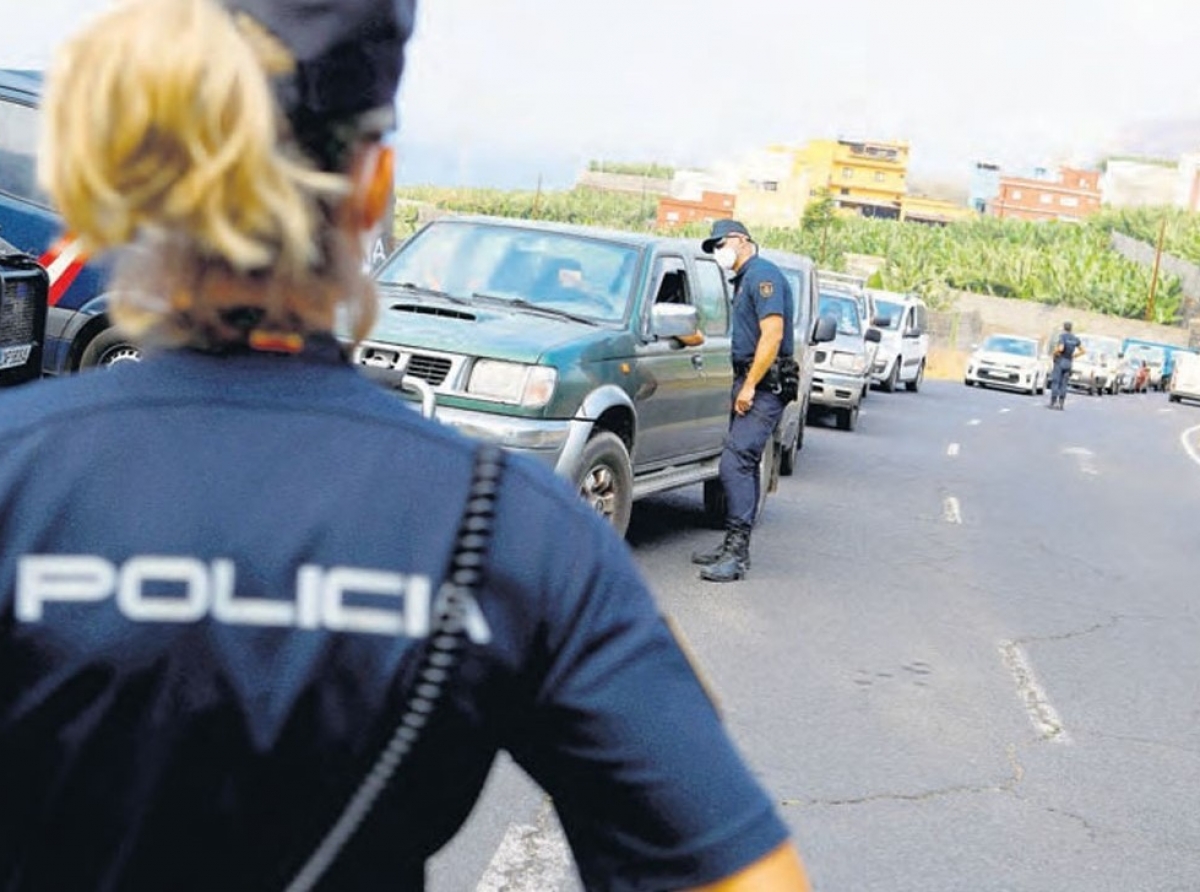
{"x": 712, "y": 555}
{"x": 736, "y": 562}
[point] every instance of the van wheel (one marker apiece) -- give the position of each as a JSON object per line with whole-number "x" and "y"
{"x": 890, "y": 382}
{"x": 606, "y": 481}
{"x": 107, "y": 349}
{"x": 915, "y": 384}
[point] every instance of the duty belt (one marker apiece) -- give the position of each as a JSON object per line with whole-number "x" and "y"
{"x": 741, "y": 368}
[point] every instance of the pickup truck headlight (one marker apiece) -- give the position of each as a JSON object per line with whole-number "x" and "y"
{"x": 528, "y": 386}
{"x": 854, "y": 363}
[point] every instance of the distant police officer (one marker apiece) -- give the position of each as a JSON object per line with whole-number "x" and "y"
{"x": 1066, "y": 348}
{"x": 263, "y": 626}
{"x": 763, "y": 316}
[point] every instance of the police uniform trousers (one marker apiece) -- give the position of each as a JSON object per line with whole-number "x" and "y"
{"x": 748, "y": 436}
{"x": 1059, "y": 376}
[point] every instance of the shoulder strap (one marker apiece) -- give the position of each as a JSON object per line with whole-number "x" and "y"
{"x": 439, "y": 659}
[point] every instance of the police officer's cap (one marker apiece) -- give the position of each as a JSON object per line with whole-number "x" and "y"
{"x": 721, "y": 229}
{"x": 349, "y": 56}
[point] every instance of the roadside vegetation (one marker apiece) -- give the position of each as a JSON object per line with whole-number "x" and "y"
{"x": 1063, "y": 264}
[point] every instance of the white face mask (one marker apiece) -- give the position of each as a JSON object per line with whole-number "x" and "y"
{"x": 726, "y": 256}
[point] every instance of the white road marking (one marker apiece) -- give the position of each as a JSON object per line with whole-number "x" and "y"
{"x": 1002, "y": 411}
{"x": 1087, "y": 463}
{"x": 951, "y": 510}
{"x": 1044, "y": 716}
{"x": 973, "y": 422}
{"x": 530, "y": 858}
{"x": 1186, "y": 439}
{"x": 952, "y": 449}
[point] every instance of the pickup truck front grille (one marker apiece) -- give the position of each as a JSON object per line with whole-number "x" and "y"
{"x": 433, "y": 369}
{"x": 387, "y": 362}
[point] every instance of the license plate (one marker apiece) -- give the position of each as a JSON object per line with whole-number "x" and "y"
{"x": 10, "y": 357}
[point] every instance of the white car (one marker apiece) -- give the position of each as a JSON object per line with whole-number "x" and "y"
{"x": 1096, "y": 371}
{"x": 1185, "y": 380}
{"x": 1009, "y": 361}
{"x": 904, "y": 345}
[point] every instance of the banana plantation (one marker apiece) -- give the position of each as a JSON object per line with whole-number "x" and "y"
{"x": 1066, "y": 264}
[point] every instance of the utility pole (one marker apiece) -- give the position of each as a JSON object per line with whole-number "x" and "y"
{"x": 1158, "y": 252}
{"x": 537, "y": 198}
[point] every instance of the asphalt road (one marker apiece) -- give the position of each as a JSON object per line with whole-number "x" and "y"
{"x": 966, "y": 657}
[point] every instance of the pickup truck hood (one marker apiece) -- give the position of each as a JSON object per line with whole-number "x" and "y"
{"x": 479, "y": 330}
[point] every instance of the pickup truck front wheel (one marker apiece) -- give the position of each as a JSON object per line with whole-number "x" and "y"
{"x": 606, "y": 481}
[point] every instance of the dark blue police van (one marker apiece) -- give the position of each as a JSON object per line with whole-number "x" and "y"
{"x": 78, "y": 332}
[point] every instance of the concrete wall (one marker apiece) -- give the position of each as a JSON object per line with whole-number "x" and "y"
{"x": 1140, "y": 252}
{"x": 974, "y": 316}
{"x": 621, "y": 182}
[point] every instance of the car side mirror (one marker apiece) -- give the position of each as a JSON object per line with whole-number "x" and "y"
{"x": 873, "y": 336}
{"x": 825, "y": 331}
{"x": 883, "y": 321}
{"x": 674, "y": 321}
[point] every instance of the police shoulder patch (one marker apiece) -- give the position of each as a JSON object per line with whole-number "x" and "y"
{"x": 766, "y": 289}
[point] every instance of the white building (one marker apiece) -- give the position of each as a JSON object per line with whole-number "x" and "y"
{"x": 1135, "y": 184}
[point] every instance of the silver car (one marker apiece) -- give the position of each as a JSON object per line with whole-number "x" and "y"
{"x": 841, "y": 368}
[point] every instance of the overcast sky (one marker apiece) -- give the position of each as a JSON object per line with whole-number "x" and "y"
{"x": 693, "y": 81}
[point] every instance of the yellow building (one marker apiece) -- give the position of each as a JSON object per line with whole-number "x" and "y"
{"x": 867, "y": 177}
{"x": 923, "y": 209}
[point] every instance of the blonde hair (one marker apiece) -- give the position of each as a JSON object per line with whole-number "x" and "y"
{"x": 161, "y": 133}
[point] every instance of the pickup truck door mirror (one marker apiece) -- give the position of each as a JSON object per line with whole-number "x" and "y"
{"x": 884, "y": 321}
{"x": 674, "y": 321}
{"x": 873, "y": 336}
{"x": 825, "y": 330}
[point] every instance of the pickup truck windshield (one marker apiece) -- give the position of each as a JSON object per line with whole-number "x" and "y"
{"x": 844, "y": 310}
{"x": 558, "y": 272}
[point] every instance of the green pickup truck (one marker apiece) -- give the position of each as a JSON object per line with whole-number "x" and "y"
{"x": 603, "y": 354}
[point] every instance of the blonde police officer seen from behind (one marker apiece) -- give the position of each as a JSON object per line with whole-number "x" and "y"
{"x": 221, "y": 568}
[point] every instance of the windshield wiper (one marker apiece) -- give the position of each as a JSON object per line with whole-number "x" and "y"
{"x": 432, "y": 292}
{"x": 536, "y": 308}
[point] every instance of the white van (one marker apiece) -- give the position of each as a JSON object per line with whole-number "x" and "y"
{"x": 902, "y": 320}
{"x": 1185, "y": 379}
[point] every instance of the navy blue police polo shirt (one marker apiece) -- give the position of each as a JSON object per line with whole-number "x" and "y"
{"x": 215, "y": 578}
{"x": 760, "y": 290}
{"x": 1069, "y": 341}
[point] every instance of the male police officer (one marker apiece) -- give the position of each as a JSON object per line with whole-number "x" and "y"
{"x": 762, "y": 334}
{"x": 1066, "y": 348}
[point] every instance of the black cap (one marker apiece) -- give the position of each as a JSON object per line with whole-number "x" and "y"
{"x": 721, "y": 229}
{"x": 349, "y": 59}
